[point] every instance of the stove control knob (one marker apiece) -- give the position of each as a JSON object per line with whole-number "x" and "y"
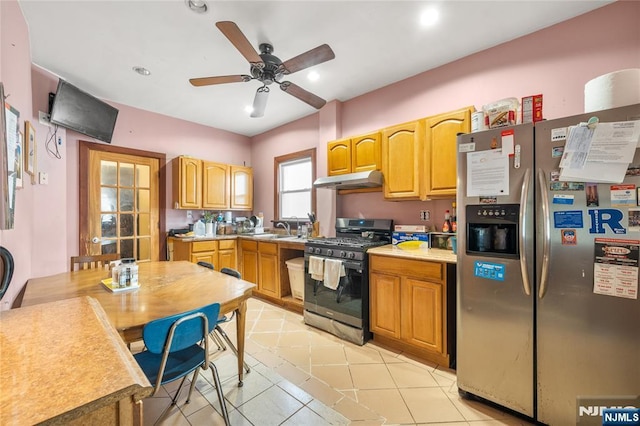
{"x": 329, "y": 252}
{"x": 351, "y": 255}
{"x": 310, "y": 249}
{"x": 343, "y": 253}
{"x": 318, "y": 250}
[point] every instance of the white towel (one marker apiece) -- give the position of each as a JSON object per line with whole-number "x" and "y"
{"x": 333, "y": 270}
{"x": 316, "y": 267}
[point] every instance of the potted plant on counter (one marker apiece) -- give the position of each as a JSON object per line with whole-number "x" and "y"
{"x": 209, "y": 223}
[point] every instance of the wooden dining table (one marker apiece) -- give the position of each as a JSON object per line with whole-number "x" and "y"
{"x": 165, "y": 288}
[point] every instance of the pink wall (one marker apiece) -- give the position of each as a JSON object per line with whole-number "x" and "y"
{"x": 556, "y": 62}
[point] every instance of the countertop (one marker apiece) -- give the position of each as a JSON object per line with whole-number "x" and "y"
{"x": 254, "y": 237}
{"x": 62, "y": 360}
{"x": 437, "y": 255}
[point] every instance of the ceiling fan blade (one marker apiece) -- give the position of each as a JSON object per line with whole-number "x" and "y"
{"x": 308, "y": 59}
{"x": 308, "y": 97}
{"x": 260, "y": 102}
{"x": 238, "y": 39}
{"x": 207, "y": 81}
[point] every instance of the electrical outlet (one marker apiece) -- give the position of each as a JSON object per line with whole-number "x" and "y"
{"x": 43, "y": 178}
{"x": 189, "y": 215}
{"x": 44, "y": 118}
{"x": 425, "y": 215}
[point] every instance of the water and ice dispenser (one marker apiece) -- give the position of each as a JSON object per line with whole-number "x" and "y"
{"x": 492, "y": 229}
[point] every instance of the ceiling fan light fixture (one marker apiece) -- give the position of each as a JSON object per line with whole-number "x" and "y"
{"x": 260, "y": 102}
{"x": 313, "y": 76}
{"x": 198, "y": 6}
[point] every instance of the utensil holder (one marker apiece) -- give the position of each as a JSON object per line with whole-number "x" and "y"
{"x": 316, "y": 229}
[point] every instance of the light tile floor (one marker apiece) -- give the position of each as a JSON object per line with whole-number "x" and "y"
{"x": 304, "y": 376}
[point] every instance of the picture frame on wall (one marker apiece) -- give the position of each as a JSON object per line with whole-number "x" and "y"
{"x": 30, "y": 150}
{"x": 19, "y": 160}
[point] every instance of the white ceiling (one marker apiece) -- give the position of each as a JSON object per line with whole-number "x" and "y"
{"x": 94, "y": 45}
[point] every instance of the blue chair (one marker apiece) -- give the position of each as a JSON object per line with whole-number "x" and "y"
{"x": 174, "y": 350}
{"x": 206, "y": 265}
{"x": 223, "y": 319}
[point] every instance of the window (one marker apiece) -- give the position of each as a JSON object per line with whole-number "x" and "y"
{"x": 295, "y": 174}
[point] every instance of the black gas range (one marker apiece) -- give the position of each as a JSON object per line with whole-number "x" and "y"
{"x": 343, "y": 308}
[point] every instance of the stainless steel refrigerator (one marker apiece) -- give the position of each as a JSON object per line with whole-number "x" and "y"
{"x": 537, "y": 332}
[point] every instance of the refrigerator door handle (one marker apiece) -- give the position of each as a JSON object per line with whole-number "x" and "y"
{"x": 546, "y": 240}
{"x": 524, "y": 196}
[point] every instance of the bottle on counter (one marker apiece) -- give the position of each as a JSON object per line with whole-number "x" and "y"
{"x": 446, "y": 226}
{"x": 199, "y": 228}
{"x": 454, "y": 219}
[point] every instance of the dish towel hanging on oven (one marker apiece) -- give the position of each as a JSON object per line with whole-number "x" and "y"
{"x": 333, "y": 270}
{"x": 316, "y": 268}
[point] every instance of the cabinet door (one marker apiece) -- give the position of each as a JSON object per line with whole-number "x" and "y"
{"x": 441, "y": 151}
{"x": 226, "y": 254}
{"x": 241, "y": 188}
{"x": 187, "y": 183}
{"x": 365, "y": 153}
{"x": 249, "y": 261}
{"x": 421, "y": 319}
{"x": 205, "y": 256}
{"x": 215, "y": 185}
{"x": 384, "y": 291}
{"x": 339, "y": 157}
{"x": 268, "y": 282}
{"x": 402, "y": 161}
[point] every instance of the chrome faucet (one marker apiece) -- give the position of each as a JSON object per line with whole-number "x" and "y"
{"x": 284, "y": 225}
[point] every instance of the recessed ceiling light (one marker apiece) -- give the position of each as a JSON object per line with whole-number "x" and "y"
{"x": 198, "y": 6}
{"x": 313, "y": 76}
{"x": 142, "y": 71}
{"x": 429, "y": 17}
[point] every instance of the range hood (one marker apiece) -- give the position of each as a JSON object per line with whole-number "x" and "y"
{"x": 368, "y": 179}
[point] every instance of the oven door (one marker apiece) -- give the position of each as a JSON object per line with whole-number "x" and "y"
{"x": 348, "y": 303}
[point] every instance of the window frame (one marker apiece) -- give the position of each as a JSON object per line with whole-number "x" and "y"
{"x": 277, "y": 161}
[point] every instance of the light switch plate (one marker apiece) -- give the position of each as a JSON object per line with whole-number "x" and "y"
{"x": 43, "y": 178}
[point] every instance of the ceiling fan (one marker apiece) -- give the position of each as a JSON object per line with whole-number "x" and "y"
{"x": 268, "y": 69}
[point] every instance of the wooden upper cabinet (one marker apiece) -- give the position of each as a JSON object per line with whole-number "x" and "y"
{"x": 352, "y": 155}
{"x": 216, "y": 186}
{"x": 241, "y": 188}
{"x": 187, "y": 183}
{"x": 402, "y": 160}
{"x": 441, "y": 151}
{"x": 339, "y": 157}
{"x": 366, "y": 153}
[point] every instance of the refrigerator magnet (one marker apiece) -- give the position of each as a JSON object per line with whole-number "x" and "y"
{"x": 569, "y": 237}
{"x": 556, "y": 151}
{"x": 563, "y": 199}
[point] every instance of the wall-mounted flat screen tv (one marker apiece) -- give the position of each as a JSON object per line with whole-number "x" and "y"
{"x": 77, "y": 110}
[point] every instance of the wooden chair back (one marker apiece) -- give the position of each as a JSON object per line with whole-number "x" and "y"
{"x": 92, "y": 262}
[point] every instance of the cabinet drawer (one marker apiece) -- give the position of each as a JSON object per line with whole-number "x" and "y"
{"x": 433, "y": 271}
{"x": 226, "y": 244}
{"x": 270, "y": 248}
{"x": 249, "y": 245}
{"x": 203, "y": 246}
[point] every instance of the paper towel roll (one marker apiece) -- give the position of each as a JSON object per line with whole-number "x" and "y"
{"x": 616, "y": 89}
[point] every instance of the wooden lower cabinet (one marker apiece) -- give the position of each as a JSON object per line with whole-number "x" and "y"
{"x": 220, "y": 253}
{"x": 260, "y": 266}
{"x": 412, "y": 306}
{"x": 268, "y": 271}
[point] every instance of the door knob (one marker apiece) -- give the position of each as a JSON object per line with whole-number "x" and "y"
{"x": 95, "y": 240}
